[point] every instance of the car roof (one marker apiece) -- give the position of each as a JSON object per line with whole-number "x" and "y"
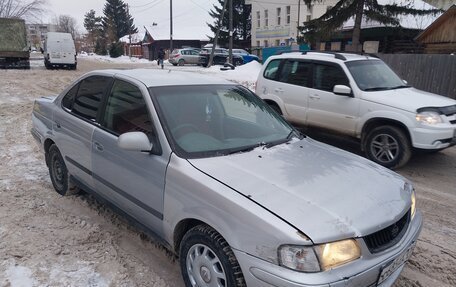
{"x": 325, "y": 56}
{"x": 158, "y": 77}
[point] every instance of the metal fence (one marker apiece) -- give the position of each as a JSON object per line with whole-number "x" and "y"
{"x": 432, "y": 73}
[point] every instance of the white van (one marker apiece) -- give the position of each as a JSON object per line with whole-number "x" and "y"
{"x": 59, "y": 51}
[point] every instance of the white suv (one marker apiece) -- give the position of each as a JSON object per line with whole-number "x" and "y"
{"x": 360, "y": 96}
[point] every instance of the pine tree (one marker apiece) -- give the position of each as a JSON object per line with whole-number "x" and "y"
{"x": 93, "y": 25}
{"x": 241, "y": 22}
{"x": 117, "y": 21}
{"x": 334, "y": 18}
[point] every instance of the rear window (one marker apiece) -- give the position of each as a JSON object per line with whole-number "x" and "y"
{"x": 90, "y": 93}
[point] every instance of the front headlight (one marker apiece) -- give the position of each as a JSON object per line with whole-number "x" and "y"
{"x": 319, "y": 257}
{"x": 429, "y": 118}
{"x": 409, "y": 188}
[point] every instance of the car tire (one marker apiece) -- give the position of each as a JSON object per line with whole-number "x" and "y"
{"x": 238, "y": 62}
{"x": 174, "y": 64}
{"x": 203, "y": 250}
{"x": 388, "y": 146}
{"x": 58, "y": 172}
{"x": 276, "y": 108}
{"x": 181, "y": 62}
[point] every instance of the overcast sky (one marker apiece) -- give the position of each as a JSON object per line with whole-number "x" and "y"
{"x": 190, "y": 16}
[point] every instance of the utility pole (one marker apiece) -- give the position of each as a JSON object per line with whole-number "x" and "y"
{"x": 231, "y": 33}
{"x": 217, "y": 33}
{"x": 299, "y": 16}
{"x": 170, "y": 26}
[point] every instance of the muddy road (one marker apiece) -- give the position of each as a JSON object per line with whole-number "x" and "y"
{"x": 49, "y": 240}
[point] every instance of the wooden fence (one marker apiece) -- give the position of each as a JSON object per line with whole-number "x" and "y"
{"x": 433, "y": 73}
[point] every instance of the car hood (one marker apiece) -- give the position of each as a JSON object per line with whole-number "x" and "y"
{"x": 409, "y": 99}
{"x": 326, "y": 193}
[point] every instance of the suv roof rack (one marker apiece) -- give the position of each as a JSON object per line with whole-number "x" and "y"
{"x": 284, "y": 52}
{"x": 338, "y": 54}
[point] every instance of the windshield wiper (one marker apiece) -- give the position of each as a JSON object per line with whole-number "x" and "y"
{"x": 281, "y": 141}
{"x": 377, "y": 89}
{"x": 399, "y": 87}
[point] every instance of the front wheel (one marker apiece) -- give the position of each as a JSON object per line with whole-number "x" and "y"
{"x": 388, "y": 146}
{"x": 206, "y": 260}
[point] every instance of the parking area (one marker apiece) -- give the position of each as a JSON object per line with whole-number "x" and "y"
{"x": 49, "y": 240}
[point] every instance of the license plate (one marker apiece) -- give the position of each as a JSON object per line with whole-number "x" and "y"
{"x": 392, "y": 266}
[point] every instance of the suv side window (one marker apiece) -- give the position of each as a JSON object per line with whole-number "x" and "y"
{"x": 271, "y": 70}
{"x": 126, "y": 110}
{"x": 89, "y": 97}
{"x": 327, "y": 76}
{"x": 296, "y": 73}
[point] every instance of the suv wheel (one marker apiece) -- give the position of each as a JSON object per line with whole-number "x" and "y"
{"x": 388, "y": 146}
{"x": 206, "y": 259}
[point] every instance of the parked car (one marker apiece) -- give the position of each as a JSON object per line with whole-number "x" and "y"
{"x": 246, "y": 56}
{"x": 184, "y": 56}
{"x": 359, "y": 96}
{"x": 59, "y": 51}
{"x": 239, "y": 195}
{"x": 220, "y": 57}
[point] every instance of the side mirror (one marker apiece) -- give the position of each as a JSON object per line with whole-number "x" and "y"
{"x": 342, "y": 90}
{"x": 134, "y": 141}
{"x": 405, "y": 82}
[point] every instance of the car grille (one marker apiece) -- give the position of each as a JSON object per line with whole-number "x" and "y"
{"x": 387, "y": 237}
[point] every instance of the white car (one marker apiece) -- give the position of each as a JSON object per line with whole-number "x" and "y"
{"x": 360, "y": 96}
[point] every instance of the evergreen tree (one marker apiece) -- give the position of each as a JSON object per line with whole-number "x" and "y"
{"x": 335, "y": 17}
{"x": 241, "y": 22}
{"x": 117, "y": 21}
{"x": 93, "y": 25}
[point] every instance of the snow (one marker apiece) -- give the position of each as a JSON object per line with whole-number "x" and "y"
{"x": 19, "y": 276}
{"x": 119, "y": 60}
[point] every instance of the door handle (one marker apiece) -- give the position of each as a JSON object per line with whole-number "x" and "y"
{"x": 98, "y": 146}
{"x": 314, "y": 97}
{"x": 278, "y": 90}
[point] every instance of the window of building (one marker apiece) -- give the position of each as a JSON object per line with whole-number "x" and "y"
{"x": 288, "y": 14}
{"x": 258, "y": 19}
{"x": 266, "y": 20}
{"x": 277, "y": 42}
{"x": 258, "y": 43}
{"x": 279, "y": 12}
{"x": 266, "y": 44}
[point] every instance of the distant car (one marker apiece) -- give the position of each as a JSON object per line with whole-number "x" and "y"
{"x": 246, "y": 56}
{"x": 230, "y": 187}
{"x": 359, "y": 96}
{"x": 184, "y": 56}
{"x": 59, "y": 51}
{"x": 220, "y": 57}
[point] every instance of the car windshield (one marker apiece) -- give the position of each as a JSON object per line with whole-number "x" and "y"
{"x": 218, "y": 120}
{"x": 374, "y": 75}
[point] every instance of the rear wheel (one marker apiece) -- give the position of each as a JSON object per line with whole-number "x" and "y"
{"x": 59, "y": 173}
{"x": 206, "y": 259}
{"x": 181, "y": 62}
{"x": 388, "y": 146}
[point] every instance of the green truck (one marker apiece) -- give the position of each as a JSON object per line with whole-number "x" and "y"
{"x": 14, "y": 51}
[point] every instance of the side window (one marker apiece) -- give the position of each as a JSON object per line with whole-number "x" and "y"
{"x": 296, "y": 73}
{"x": 68, "y": 99}
{"x": 326, "y": 77}
{"x": 271, "y": 70}
{"x": 89, "y": 97}
{"x": 126, "y": 110}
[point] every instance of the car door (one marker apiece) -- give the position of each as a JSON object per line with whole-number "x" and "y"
{"x": 193, "y": 56}
{"x": 291, "y": 86}
{"x": 134, "y": 181}
{"x": 74, "y": 125}
{"x": 326, "y": 109}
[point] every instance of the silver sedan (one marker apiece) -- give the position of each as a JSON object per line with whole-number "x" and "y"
{"x": 240, "y": 196}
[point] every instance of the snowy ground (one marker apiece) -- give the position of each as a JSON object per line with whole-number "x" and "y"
{"x": 49, "y": 240}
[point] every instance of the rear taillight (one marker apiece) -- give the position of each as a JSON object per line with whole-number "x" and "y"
{"x": 177, "y": 56}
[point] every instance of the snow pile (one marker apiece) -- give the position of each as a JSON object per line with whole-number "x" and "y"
{"x": 245, "y": 75}
{"x": 119, "y": 60}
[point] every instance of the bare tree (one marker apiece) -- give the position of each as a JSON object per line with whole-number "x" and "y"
{"x": 25, "y": 9}
{"x": 66, "y": 24}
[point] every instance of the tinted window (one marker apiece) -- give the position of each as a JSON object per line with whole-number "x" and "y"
{"x": 326, "y": 77}
{"x": 296, "y": 73}
{"x": 126, "y": 110}
{"x": 271, "y": 69}
{"x": 90, "y": 94}
{"x": 67, "y": 101}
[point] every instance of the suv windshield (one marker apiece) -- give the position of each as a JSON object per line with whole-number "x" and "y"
{"x": 217, "y": 120}
{"x": 374, "y": 75}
